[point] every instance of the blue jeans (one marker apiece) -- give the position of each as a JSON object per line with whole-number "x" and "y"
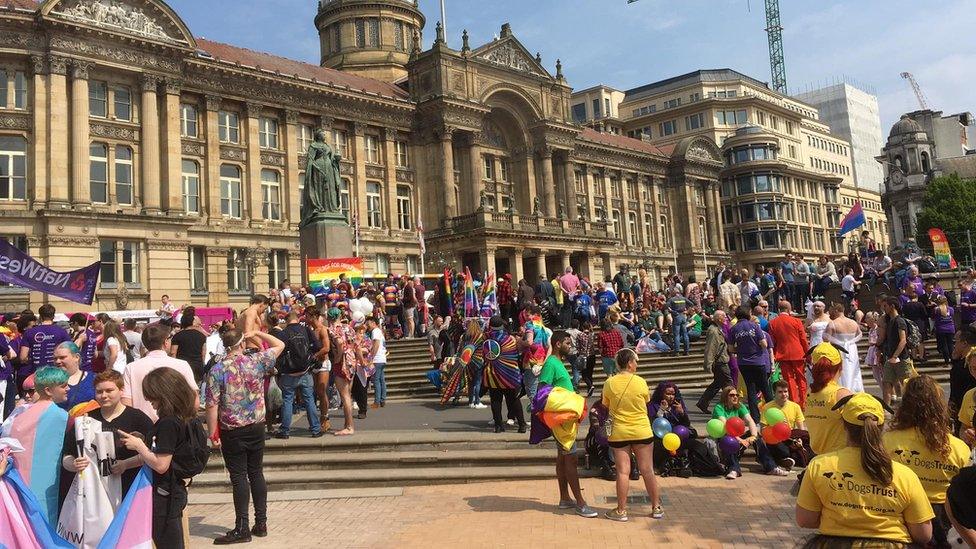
{"x": 577, "y": 364}
{"x": 290, "y": 384}
{"x": 679, "y": 327}
{"x": 530, "y": 382}
{"x": 379, "y": 383}
{"x": 475, "y": 395}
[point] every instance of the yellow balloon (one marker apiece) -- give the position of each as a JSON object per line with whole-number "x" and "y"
{"x": 671, "y": 442}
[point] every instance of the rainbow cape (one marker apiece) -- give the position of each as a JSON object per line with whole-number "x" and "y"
{"x": 501, "y": 361}
{"x": 556, "y": 412}
{"x": 132, "y": 525}
{"x": 23, "y": 521}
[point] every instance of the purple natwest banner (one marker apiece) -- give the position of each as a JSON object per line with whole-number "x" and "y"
{"x": 20, "y": 269}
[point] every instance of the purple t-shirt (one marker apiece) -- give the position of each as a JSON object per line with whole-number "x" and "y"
{"x": 41, "y": 341}
{"x": 6, "y": 368}
{"x": 944, "y": 324}
{"x": 746, "y": 336}
{"x": 88, "y": 350}
{"x": 968, "y": 314}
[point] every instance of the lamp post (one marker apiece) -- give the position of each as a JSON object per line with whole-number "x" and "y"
{"x": 251, "y": 259}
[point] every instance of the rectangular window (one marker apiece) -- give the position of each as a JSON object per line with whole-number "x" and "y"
{"x": 13, "y": 167}
{"x": 120, "y": 261}
{"x": 3, "y": 89}
{"x": 238, "y": 277}
{"x": 123, "y": 175}
{"x": 344, "y": 198}
{"x": 382, "y": 264}
{"x": 191, "y": 186}
{"x": 399, "y": 42}
{"x": 632, "y": 229}
{"x": 305, "y": 137}
{"x": 188, "y": 120}
{"x": 596, "y": 108}
{"x": 648, "y": 229}
{"x": 277, "y": 267}
{"x": 580, "y": 182}
{"x": 20, "y": 91}
{"x": 122, "y": 103}
{"x": 694, "y": 97}
{"x": 488, "y": 171}
{"x": 270, "y": 195}
{"x": 374, "y": 32}
{"x": 404, "y": 214}
{"x": 372, "y": 149}
{"x": 97, "y": 99}
{"x": 107, "y": 255}
{"x": 231, "y": 202}
{"x": 615, "y": 190}
{"x": 229, "y": 127}
{"x": 669, "y": 127}
{"x": 413, "y": 264}
{"x": 268, "y": 133}
{"x": 503, "y": 175}
{"x": 617, "y": 230}
{"x": 694, "y": 121}
{"x": 130, "y": 262}
{"x": 336, "y": 43}
{"x": 606, "y": 106}
{"x": 98, "y": 173}
{"x": 360, "y": 33}
{"x": 341, "y": 141}
{"x": 198, "y": 269}
{"x": 402, "y": 156}
{"x": 579, "y": 113}
{"x": 672, "y": 103}
{"x": 374, "y": 205}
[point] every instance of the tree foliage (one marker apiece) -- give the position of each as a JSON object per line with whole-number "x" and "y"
{"x": 949, "y": 204}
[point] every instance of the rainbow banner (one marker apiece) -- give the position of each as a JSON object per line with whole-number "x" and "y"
{"x": 321, "y": 271}
{"x": 941, "y": 250}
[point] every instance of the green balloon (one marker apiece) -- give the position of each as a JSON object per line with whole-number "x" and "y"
{"x": 715, "y": 428}
{"x": 773, "y": 415}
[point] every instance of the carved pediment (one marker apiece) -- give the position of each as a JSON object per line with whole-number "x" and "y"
{"x": 148, "y": 19}
{"x": 510, "y": 54}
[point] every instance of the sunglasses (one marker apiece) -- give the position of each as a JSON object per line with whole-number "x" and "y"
{"x": 736, "y": 395}
{"x": 30, "y": 391}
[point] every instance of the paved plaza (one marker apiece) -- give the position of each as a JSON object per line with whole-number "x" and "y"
{"x": 754, "y": 511}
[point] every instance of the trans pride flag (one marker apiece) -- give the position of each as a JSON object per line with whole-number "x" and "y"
{"x": 132, "y": 525}
{"x": 22, "y": 519}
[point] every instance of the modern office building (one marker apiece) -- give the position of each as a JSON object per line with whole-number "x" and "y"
{"x": 852, "y": 114}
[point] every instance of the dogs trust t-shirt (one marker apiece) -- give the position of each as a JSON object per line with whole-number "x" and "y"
{"x": 852, "y": 504}
{"x": 934, "y": 471}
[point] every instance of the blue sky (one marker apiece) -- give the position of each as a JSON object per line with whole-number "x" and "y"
{"x": 626, "y": 45}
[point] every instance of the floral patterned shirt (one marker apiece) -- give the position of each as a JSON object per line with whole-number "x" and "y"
{"x": 236, "y": 386}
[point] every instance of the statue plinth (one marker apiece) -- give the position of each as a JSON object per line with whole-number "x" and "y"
{"x": 323, "y": 239}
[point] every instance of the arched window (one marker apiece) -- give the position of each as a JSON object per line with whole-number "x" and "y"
{"x": 191, "y": 186}
{"x": 925, "y": 162}
{"x": 899, "y": 163}
{"x": 13, "y": 167}
{"x": 270, "y": 195}
{"x": 98, "y": 172}
{"x": 703, "y": 232}
{"x": 231, "y": 201}
{"x": 664, "y": 232}
{"x": 632, "y": 228}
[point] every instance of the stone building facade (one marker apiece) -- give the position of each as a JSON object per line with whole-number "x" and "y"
{"x": 177, "y": 161}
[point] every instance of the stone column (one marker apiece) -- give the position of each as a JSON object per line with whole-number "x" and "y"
{"x": 389, "y": 158}
{"x": 38, "y": 147}
{"x": 252, "y": 172}
{"x": 357, "y": 190}
{"x": 530, "y": 179}
{"x": 57, "y": 134}
{"x": 642, "y": 206}
{"x": 624, "y": 209}
{"x": 590, "y": 193}
{"x": 569, "y": 186}
{"x": 713, "y": 216}
{"x": 291, "y": 199}
{"x": 211, "y": 172}
{"x": 472, "y": 197}
{"x": 719, "y": 244}
{"x": 447, "y": 172}
{"x": 608, "y": 269}
{"x": 515, "y": 264}
{"x": 540, "y": 265}
{"x": 149, "y": 155}
{"x": 80, "y": 144}
{"x": 659, "y": 239}
{"x": 564, "y": 259}
{"x": 548, "y": 185}
{"x": 487, "y": 258}
{"x": 172, "y": 150}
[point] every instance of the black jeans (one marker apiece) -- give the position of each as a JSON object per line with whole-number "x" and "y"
{"x": 243, "y": 450}
{"x": 511, "y": 397}
{"x": 360, "y": 394}
{"x": 944, "y": 342}
{"x": 756, "y": 380}
{"x": 167, "y": 515}
{"x": 722, "y": 378}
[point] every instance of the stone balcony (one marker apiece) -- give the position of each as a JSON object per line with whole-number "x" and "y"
{"x": 522, "y": 224}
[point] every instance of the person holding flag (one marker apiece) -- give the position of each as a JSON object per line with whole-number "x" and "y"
{"x": 853, "y": 219}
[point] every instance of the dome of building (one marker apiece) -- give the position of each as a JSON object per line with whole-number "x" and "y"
{"x": 905, "y": 125}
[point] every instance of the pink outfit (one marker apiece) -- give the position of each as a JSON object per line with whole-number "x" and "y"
{"x": 137, "y": 370}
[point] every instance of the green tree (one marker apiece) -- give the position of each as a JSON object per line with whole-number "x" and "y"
{"x": 949, "y": 204}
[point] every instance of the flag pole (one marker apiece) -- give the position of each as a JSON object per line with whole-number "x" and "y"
{"x": 444, "y": 21}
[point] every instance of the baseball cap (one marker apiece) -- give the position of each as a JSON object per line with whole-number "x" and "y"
{"x": 825, "y": 350}
{"x": 854, "y": 406}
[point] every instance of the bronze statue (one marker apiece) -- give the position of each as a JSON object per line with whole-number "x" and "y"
{"x": 320, "y": 197}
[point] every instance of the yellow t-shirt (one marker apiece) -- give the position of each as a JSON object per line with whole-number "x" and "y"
{"x": 908, "y": 447}
{"x": 826, "y": 427}
{"x": 968, "y": 408}
{"x": 851, "y": 504}
{"x": 792, "y": 411}
{"x": 626, "y": 396}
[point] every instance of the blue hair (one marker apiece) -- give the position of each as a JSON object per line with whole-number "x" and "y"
{"x": 71, "y": 346}
{"x": 49, "y": 376}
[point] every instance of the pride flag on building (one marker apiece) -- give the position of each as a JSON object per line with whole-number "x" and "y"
{"x": 941, "y": 250}
{"x": 321, "y": 271}
{"x": 853, "y": 219}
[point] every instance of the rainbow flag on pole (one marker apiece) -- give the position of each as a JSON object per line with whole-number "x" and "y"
{"x": 853, "y": 219}
{"x": 321, "y": 271}
{"x": 489, "y": 295}
{"x": 471, "y": 308}
{"x": 941, "y": 250}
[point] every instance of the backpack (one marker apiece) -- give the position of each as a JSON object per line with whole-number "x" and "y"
{"x": 190, "y": 457}
{"x": 913, "y": 336}
{"x": 295, "y": 358}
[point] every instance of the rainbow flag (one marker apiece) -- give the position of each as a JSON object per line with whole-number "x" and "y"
{"x": 132, "y": 525}
{"x": 22, "y": 519}
{"x": 321, "y": 271}
{"x": 556, "y": 412}
{"x": 941, "y": 250}
{"x": 448, "y": 279}
{"x": 470, "y": 296}
{"x": 489, "y": 295}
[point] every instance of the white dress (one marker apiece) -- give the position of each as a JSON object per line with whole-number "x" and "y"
{"x": 850, "y": 374}
{"x": 817, "y": 332}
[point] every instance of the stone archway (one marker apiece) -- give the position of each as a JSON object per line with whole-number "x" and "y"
{"x": 505, "y": 138}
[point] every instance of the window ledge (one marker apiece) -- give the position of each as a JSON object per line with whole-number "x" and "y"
{"x": 239, "y": 293}
{"x": 199, "y": 293}
{"x": 12, "y": 290}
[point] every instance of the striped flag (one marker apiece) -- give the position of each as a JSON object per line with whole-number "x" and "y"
{"x": 853, "y": 219}
{"x": 420, "y": 235}
{"x": 132, "y": 525}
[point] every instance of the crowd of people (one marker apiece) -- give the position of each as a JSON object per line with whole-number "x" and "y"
{"x": 787, "y": 381}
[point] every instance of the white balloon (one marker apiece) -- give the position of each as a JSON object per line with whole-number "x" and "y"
{"x": 361, "y": 305}
{"x": 358, "y": 317}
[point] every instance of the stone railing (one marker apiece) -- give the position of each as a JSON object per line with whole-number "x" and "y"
{"x": 523, "y": 224}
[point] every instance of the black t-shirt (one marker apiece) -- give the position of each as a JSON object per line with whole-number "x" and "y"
{"x": 915, "y": 311}
{"x": 190, "y": 343}
{"x": 169, "y": 433}
{"x": 892, "y": 337}
{"x": 131, "y": 420}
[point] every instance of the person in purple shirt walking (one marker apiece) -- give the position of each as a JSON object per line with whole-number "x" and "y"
{"x": 38, "y": 343}
{"x": 85, "y": 338}
{"x": 945, "y": 327}
{"x": 750, "y": 346}
{"x": 967, "y": 302}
